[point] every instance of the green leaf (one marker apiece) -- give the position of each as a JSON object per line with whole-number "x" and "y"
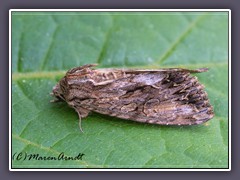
{"x": 46, "y": 44}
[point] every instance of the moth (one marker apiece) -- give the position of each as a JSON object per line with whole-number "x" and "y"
{"x": 163, "y": 96}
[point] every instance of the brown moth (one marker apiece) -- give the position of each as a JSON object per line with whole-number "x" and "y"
{"x": 163, "y": 96}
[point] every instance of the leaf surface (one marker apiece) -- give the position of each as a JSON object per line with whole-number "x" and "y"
{"x": 45, "y": 45}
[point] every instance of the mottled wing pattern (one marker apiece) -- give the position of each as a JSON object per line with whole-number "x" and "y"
{"x": 165, "y": 96}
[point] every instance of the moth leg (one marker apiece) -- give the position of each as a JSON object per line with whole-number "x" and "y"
{"x": 54, "y": 100}
{"x": 82, "y": 113}
{"x": 80, "y": 122}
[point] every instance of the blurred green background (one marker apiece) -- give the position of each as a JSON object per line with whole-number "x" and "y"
{"x": 46, "y": 44}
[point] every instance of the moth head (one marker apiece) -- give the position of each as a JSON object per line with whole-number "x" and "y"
{"x": 58, "y": 93}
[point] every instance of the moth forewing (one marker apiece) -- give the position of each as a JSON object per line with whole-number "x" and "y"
{"x": 164, "y": 96}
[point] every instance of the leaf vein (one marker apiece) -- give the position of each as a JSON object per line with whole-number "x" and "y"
{"x": 19, "y": 62}
{"x": 53, "y": 74}
{"x": 45, "y": 59}
{"x": 26, "y": 94}
{"x": 189, "y": 28}
{"x": 105, "y": 43}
